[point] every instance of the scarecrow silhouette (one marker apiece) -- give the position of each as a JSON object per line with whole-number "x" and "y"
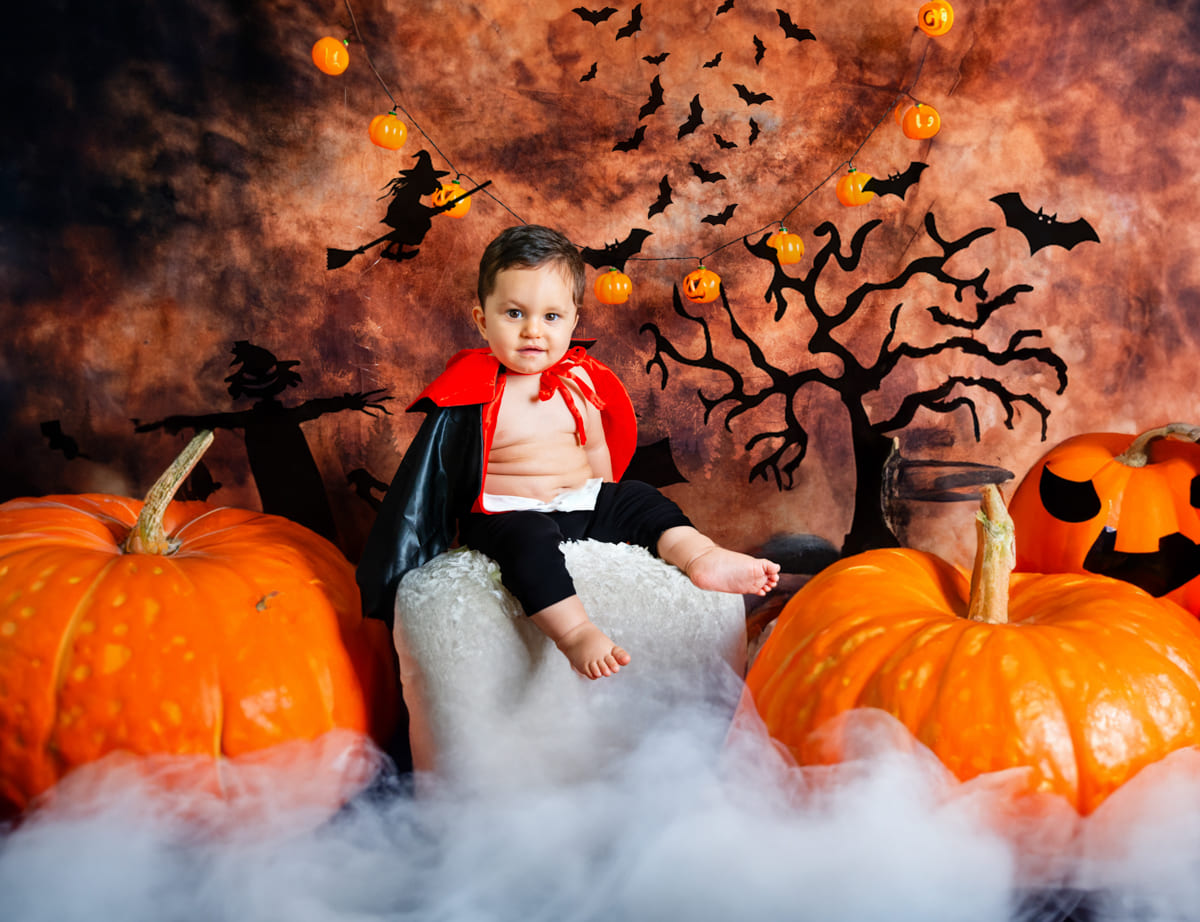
{"x": 408, "y": 217}
{"x": 288, "y": 480}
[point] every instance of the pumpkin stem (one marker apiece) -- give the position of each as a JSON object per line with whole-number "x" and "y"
{"x": 1138, "y": 452}
{"x": 995, "y": 557}
{"x": 147, "y": 535}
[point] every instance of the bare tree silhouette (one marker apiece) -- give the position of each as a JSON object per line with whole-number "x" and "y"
{"x": 854, "y": 380}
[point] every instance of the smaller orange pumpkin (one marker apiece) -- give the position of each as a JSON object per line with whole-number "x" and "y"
{"x": 452, "y": 192}
{"x": 613, "y": 287}
{"x": 789, "y": 246}
{"x": 850, "y": 188}
{"x": 702, "y": 285}
{"x": 330, "y": 55}
{"x": 921, "y": 121}
{"x": 387, "y": 131}
{"x": 935, "y": 17}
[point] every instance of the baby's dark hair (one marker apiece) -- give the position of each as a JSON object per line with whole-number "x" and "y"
{"x": 528, "y": 246}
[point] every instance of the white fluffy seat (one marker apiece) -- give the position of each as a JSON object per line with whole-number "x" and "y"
{"x": 492, "y": 702}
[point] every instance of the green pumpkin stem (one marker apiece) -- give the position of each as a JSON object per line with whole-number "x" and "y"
{"x": 147, "y": 535}
{"x": 1138, "y": 452}
{"x": 995, "y": 557}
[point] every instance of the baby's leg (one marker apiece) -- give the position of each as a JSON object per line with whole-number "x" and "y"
{"x": 587, "y": 647}
{"x": 710, "y": 566}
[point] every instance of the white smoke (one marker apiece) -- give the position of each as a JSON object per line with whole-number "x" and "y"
{"x": 696, "y": 821}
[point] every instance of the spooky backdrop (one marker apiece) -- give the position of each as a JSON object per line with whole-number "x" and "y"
{"x": 198, "y": 232}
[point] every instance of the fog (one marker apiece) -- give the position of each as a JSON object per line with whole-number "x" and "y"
{"x": 696, "y": 819}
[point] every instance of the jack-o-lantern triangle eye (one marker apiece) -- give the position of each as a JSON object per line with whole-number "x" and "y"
{"x": 1071, "y": 500}
{"x": 1194, "y": 492}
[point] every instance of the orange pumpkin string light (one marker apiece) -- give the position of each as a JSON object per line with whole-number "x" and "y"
{"x": 921, "y": 121}
{"x": 850, "y": 190}
{"x": 935, "y": 18}
{"x": 454, "y": 197}
{"x": 701, "y": 285}
{"x": 387, "y": 131}
{"x": 613, "y": 287}
{"x": 788, "y": 246}
{"x": 330, "y": 55}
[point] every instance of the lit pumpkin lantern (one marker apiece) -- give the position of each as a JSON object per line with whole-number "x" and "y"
{"x": 1080, "y": 680}
{"x": 388, "y": 131}
{"x": 701, "y": 285}
{"x": 613, "y": 287}
{"x": 850, "y": 188}
{"x": 452, "y": 192}
{"x": 330, "y": 55}
{"x": 177, "y": 628}
{"x": 936, "y": 17}
{"x": 789, "y": 246}
{"x": 920, "y": 121}
{"x": 1117, "y": 505}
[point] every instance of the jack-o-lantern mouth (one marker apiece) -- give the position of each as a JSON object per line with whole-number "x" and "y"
{"x": 1176, "y": 562}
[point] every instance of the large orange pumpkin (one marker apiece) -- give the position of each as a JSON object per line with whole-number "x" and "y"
{"x": 1118, "y": 505}
{"x": 174, "y": 627}
{"x": 1082, "y": 680}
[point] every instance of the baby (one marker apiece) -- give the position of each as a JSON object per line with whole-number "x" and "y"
{"x": 556, "y": 432}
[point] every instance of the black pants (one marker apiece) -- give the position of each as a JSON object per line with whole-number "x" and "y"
{"x": 526, "y": 544}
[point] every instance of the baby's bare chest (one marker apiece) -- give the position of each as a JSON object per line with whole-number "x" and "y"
{"x": 523, "y": 418}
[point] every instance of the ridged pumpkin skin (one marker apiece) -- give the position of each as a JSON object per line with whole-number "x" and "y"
{"x": 248, "y": 635}
{"x": 1147, "y": 501}
{"x": 1090, "y": 681}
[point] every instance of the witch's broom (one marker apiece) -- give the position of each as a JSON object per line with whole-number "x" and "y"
{"x": 335, "y": 259}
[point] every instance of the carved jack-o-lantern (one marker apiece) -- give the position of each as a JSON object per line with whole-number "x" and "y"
{"x": 1119, "y": 506}
{"x": 702, "y": 285}
{"x": 452, "y": 192}
{"x": 920, "y": 121}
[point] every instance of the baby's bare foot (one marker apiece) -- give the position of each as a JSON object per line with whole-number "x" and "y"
{"x": 723, "y": 570}
{"x": 591, "y": 653}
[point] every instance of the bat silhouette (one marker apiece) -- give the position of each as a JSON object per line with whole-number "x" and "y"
{"x": 656, "y": 59}
{"x": 595, "y": 17}
{"x": 754, "y": 131}
{"x": 632, "y": 142}
{"x": 695, "y": 118}
{"x": 1043, "y": 230}
{"x": 664, "y": 197}
{"x": 715, "y": 62}
{"x": 725, "y": 7}
{"x": 60, "y": 441}
{"x": 896, "y": 184}
{"x": 704, "y": 175}
{"x": 590, "y": 75}
{"x": 654, "y": 103}
{"x": 759, "y": 50}
{"x": 749, "y": 97}
{"x": 791, "y": 30}
{"x": 722, "y": 143}
{"x": 721, "y": 217}
{"x": 633, "y": 26}
{"x": 615, "y": 254}
{"x": 654, "y": 464}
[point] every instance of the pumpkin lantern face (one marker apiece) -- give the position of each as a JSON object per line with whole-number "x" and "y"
{"x": 935, "y": 18}
{"x": 920, "y": 121}
{"x": 330, "y": 56}
{"x": 789, "y": 246}
{"x": 240, "y": 632}
{"x": 906, "y": 632}
{"x": 702, "y": 285}
{"x": 850, "y": 190}
{"x": 1118, "y": 506}
{"x": 387, "y": 131}
{"x": 613, "y": 287}
{"x": 452, "y": 192}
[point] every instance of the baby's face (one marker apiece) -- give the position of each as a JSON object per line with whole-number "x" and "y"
{"x": 528, "y": 318}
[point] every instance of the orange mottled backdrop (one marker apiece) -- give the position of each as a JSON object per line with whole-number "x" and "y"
{"x": 175, "y": 173}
